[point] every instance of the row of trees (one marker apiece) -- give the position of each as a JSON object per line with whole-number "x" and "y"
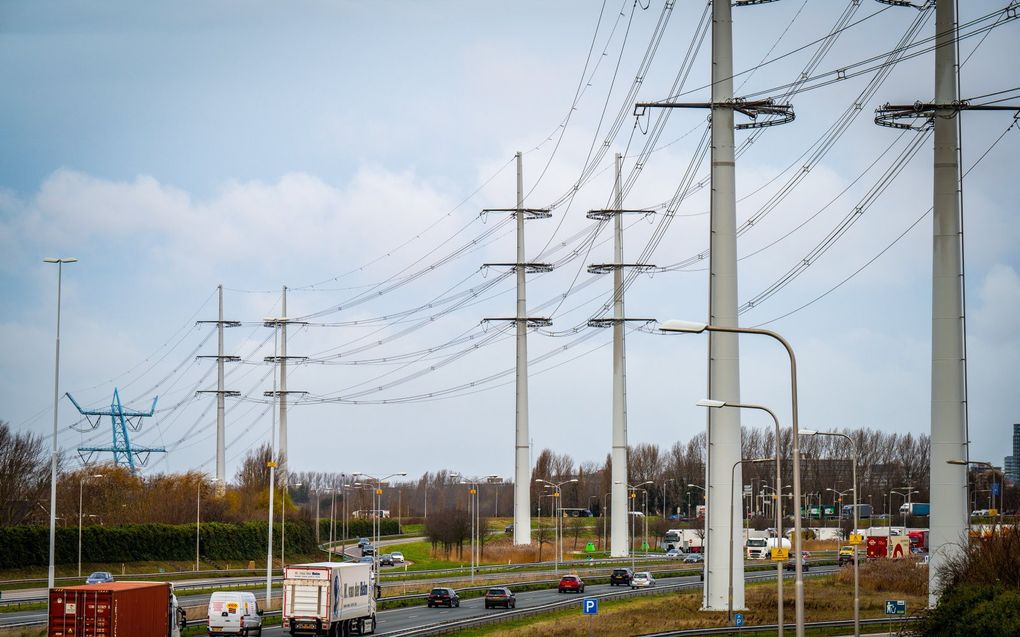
{"x": 888, "y": 462}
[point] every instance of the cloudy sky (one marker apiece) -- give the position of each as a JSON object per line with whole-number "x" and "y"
{"x": 345, "y": 150}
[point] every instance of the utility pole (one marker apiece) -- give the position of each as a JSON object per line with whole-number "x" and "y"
{"x": 522, "y": 463}
{"x": 723, "y": 351}
{"x": 619, "y": 540}
{"x": 221, "y": 393}
{"x": 949, "y": 519}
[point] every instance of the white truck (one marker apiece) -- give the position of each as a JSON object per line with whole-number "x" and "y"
{"x": 329, "y": 599}
{"x": 760, "y": 548}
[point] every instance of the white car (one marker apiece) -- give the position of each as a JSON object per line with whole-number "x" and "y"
{"x": 674, "y": 554}
{"x": 642, "y": 580}
{"x": 398, "y": 557}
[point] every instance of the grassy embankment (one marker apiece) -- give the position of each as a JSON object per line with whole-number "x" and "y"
{"x": 825, "y": 598}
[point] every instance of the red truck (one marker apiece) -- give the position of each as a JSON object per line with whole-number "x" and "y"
{"x": 116, "y": 609}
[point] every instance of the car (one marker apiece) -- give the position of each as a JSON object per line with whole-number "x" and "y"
{"x": 674, "y": 554}
{"x": 571, "y": 583}
{"x": 368, "y": 549}
{"x": 500, "y": 596}
{"x": 99, "y": 577}
{"x": 509, "y": 530}
{"x": 792, "y": 566}
{"x": 917, "y": 550}
{"x": 366, "y": 559}
{"x": 363, "y": 542}
{"x": 620, "y": 577}
{"x": 386, "y": 559}
{"x": 443, "y": 597}
{"x": 693, "y": 558}
{"x": 398, "y": 557}
{"x": 642, "y": 579}
{"x": 845, "y": 556}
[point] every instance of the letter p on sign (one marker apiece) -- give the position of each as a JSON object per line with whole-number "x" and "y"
{"x": 590, "y": 606}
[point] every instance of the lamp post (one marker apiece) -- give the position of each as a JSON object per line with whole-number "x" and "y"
{"x": 729, "y": 588}
{"x": 991, "y": 467}
{"x": 719, "y": 404}
{"x": 56, "y": 397}
{"x": 604, "y": 519}
{"x": 665, "y": 509}
{"x": 377, "y": 513}
{"x": 857, "y": 572}
{"x": 557, "y": 498}
{"x": 81, "y": 484}
{"x": 275, "y": 324}
{"x": 694, "y": 486}
{"x": 632, "y": 488}
{"x": 198, "y": 517}
{"x": 283, "y": 521}
{"x": 697, "y": 328}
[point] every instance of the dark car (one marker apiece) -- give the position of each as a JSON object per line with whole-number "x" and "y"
{"x": 791, "y": 565}
{"x": 386, "y": 560}
{"x": 621, "y": 577}
{"x": 368, "y": 549}
{"x": 571, "y": 583}
{"x": 443, "y": 597}
{"x": 500, "y": 596}
{"x": 100, "y": 577}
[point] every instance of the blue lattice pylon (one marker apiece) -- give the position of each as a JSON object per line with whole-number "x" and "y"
{"x": 121, "y": 420}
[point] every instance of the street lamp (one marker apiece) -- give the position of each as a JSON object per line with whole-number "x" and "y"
{"x": 377, "y": 513}
{"x": 473, "y": 513}
{"x": 729, "y": 588}
{"x": 198, "y": 516}
{"x": 81, "y": 484}
{"x": 632, "y": 488}
{"x": 697, "y": 328}
{"x": 719, "y": 404}
{"x": 275, "y": 324}
{"x": 557, "y": 508}
{"x": 854, "y": 543}
{"x": 56, "y": 397}
{"x": 982, "y": 463}
{"x": 283, "y": 520}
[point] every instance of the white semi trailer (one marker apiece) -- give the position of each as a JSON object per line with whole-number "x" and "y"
{"x": 329, "y": 599}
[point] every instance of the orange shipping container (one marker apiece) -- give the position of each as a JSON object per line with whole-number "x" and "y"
{"x": 117, "y": 609}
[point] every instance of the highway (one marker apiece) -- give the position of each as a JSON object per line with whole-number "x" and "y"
{"x": 402, "y": 619}
{"x": 416, "y": 616}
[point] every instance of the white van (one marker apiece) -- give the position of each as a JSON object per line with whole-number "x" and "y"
{"x": 233, "y": 613}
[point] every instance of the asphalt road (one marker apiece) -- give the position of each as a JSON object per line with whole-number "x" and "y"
{"x": 412, "y": 617}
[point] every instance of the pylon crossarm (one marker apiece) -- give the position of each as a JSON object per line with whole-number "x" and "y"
{"x": 609, "y": 322}
{"x": 772, "y": 114}
{"x": 605, "y": 268}
{"x": 529, "y": 213}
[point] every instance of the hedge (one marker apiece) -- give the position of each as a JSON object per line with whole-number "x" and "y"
{"x": 22, "y": 546}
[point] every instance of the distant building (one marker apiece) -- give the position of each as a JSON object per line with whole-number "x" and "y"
{"x": 1011, "y": 469}
{"x": 1012, "y": 462}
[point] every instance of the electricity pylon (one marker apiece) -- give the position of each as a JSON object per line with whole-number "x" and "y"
{"x": 122, "y": 420}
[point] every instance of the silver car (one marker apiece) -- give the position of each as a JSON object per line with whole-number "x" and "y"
{"x": 642, "y": 579}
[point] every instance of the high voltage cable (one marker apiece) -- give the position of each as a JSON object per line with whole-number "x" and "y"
{"x": 842, "y": 227}
{"x": 1014, "y": 124}
{"x": 843, "y": 73}
{"x": 818, "y": 149}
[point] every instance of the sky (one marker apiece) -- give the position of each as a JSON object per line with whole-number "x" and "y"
{"x": 346, "y": 151}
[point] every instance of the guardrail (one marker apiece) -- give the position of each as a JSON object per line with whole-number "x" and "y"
{"x": 744, "y": 630}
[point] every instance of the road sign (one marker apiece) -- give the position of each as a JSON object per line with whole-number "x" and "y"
{"x": 738, "y": 620}
{"x": 644, "y": 546}
{"x": 995, "y": 488}
{"x": 780, "y": 554}
{"x": 589, "y": 547}
{"x": 895, "y": 607}
{"x": 590, "y": 606}
{"x": 856, "y": 538}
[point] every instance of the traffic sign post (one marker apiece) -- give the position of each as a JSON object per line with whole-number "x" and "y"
{"x": 780, "y": 554}
{"x": 590, "y": 607}
{"x": 738, "y": 620}
{"x": 895, "y": 607}
{"x": 856, "y": 539}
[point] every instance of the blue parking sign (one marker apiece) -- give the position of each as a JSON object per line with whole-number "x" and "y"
{"x": 738, "y": 619}
{"x": 895, "y": 607}
{"x": 590, "y": 605}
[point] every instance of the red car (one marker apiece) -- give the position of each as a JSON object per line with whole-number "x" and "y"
{"x": 571, "y": 583}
